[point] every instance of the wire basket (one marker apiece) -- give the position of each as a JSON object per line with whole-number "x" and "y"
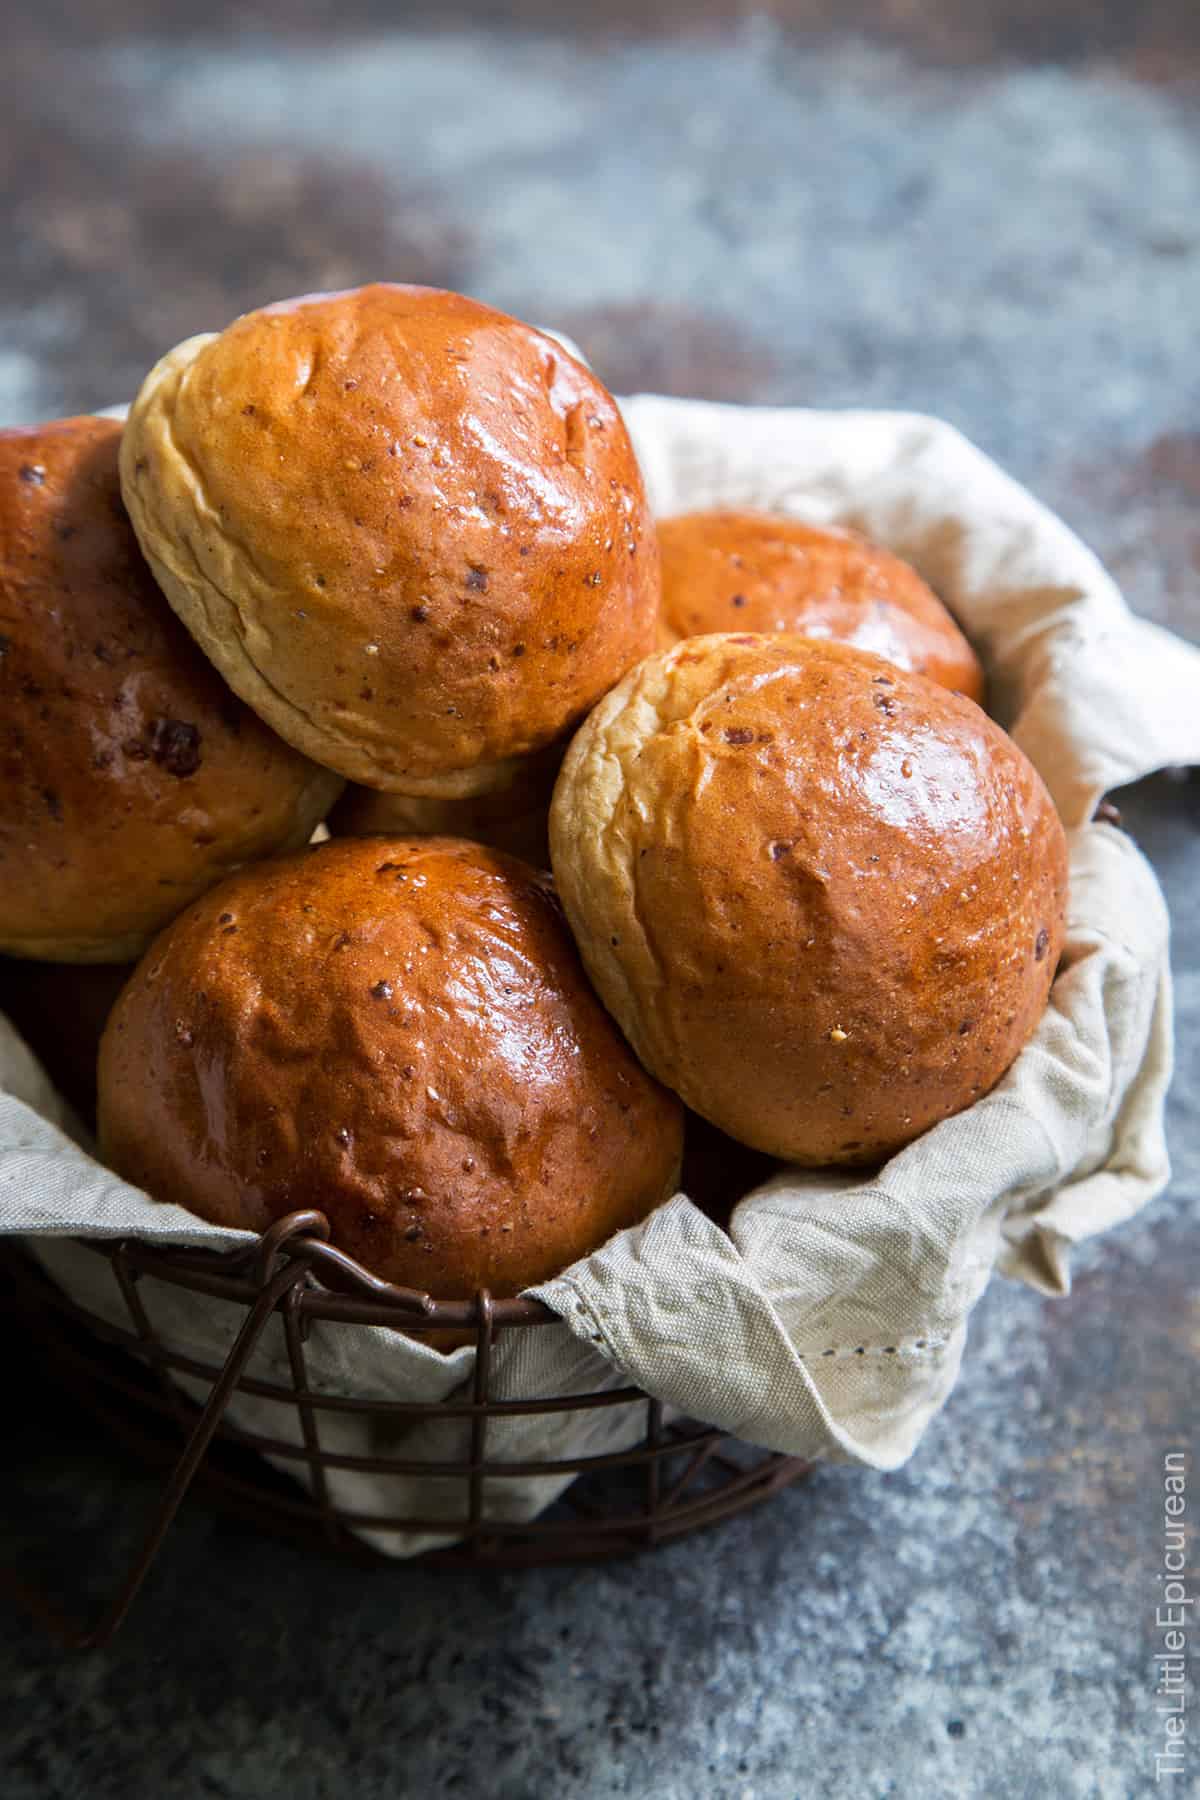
{"x": 679, "y": 1477}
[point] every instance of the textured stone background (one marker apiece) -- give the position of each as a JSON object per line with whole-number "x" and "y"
{"x": 990, "y": 210}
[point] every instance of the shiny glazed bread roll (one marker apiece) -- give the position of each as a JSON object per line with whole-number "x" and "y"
{"x": 823, "y": 898}
{"x": 514, "y": 818}
{"x": 399, "y": 1032}
{"x": 132, "y": 779}
{"x": 754, "y": 571}
{"x": 409, "y": 530}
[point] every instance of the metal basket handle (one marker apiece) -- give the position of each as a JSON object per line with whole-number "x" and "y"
{"x": 279, "y": 1284}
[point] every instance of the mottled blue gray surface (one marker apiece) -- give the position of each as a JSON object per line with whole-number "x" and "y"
{"x": 749, "y": 216}
{"x": 741, "y": 215}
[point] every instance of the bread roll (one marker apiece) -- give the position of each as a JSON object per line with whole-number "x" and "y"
{"x": 757, "y": 571}
{"x": 823, "y": 898}
{"x": 132, "y": 779}
{"x": 514, "y": 818}
{"x": 409, "y": 530}
{"x": 399, "y": 1032}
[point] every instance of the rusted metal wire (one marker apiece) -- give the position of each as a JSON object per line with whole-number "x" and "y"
{"x": 128, "y": 1376}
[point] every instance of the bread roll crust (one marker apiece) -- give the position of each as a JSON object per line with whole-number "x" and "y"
{"x": 730, "y": 570}
{"x": 399, "y": 1032}
{"x": 823, "y": 898}
{"x": 409, "y": 530}
{"x": 514, "y": 818}
{"x": 132, "y": 779}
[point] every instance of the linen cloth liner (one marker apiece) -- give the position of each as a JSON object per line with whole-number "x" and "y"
{"x": 831, "y": 1320}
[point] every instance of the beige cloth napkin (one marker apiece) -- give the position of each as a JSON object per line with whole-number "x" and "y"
{"x": 832, "y": 1319}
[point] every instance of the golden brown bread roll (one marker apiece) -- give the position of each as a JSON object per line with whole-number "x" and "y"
{"x": 409, "y": 530}
{"x": 399, "y": 1032}
{"x": 132, "y": 779}
{"x": 823, "y": 898}
{"x": 514, "y": 818}
{"x": 754, "y": 571}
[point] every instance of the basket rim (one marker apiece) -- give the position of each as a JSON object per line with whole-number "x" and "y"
{"x": 278, "y": 1275}
{"x": 356, "y": 1296}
